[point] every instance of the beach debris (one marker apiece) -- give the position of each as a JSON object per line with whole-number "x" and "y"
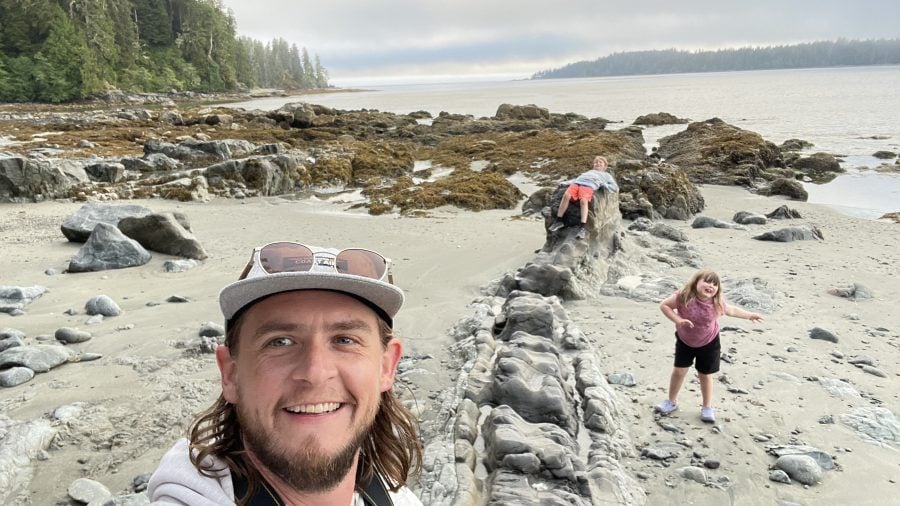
{"x": 854, "y": 291}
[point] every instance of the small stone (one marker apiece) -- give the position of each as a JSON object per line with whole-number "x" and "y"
{"x": 822, "y": 334}
{"x": 779, "y": 476}
{"x": 94, "y": 320}
{"x": 102, "y": 305}
{"x": 69, "y": 335}
{"x": 711, "y": 464}
{"x": 15, "y": 376}
{"x": 211, "y": 329}
{"x": 177, "y": 299}
{"x": 86, "y": 491}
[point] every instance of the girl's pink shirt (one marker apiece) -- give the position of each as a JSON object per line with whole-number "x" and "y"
{"x": 705, "y": 318}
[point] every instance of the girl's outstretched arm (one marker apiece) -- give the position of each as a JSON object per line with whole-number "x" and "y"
{"x": 741, "y": 313}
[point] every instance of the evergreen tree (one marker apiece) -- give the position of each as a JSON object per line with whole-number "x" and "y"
{"x": 321, "y": 74}
{"x": 309, "y": 71}
{"x": 58, "y": 64}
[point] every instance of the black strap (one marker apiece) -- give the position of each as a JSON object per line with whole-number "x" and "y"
{"x": 373, "y": 493}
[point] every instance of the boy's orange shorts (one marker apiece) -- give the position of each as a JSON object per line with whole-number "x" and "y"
{"x": 578, "y": 192}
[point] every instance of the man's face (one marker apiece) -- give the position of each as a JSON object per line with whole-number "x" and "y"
{"x": 306, "y": 380}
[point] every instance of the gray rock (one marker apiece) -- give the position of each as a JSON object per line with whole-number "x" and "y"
{"x": 779, "y": 476}
{"x": 71, "y": 336}
{"x": 659, "y": 453}
{"x": 711, "y": 464}
{"x": 874, "y": 371}
{"x": 621, "y": 378}
{"x": 667, "y": 232}
{"x": 179, "y": 265}
{"x": 8, "y": 332}
{"x": 108, "y": 248}
{"x": 823, "y": 460}
{"x": 15, "y": 376}
{"x": 823, "y": 335}
{"x": 861, "y": 360}
{"x": 802, "y": 468}
{"x": 28, "y": 180}
{"x": 807, "y": 233}
{"x": 102, "y": 305}
{"x": 78, "y": 226}
{"x": 14, "y": 298}
{"x": 693, "y": 473}
{"x": 97, "y": 319}
{"x": 38, "y": 357}
{"x": 11, "y": 342}
{"x": 164, "y": 233}
{"x": 211, "y": 329}
{"x": 86, "y": 490}
{"x": 788, "y": 187}
{"x": 707, "y": 222}
{"x": 784, "y": 213}
{"x": 874, "y": 424}
{"x": 748, "y": 218}
{"x": 838, "y": 388}
{"x": 177, "y": 299}
{"x": 106, "y": 172}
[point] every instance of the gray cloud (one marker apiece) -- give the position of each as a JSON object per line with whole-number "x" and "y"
{"x": 361, "y": 39}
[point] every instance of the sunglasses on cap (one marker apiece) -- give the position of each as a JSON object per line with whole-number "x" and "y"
{"x": 277, "y": 257}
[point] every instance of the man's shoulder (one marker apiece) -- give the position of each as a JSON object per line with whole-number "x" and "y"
{"x": 177, "y": 481}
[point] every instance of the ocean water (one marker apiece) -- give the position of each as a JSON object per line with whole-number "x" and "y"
{"x": 850, "y": 112}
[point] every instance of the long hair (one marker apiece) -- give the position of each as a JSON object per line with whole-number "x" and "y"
{"x": 391, "y": 449}
{"x": 689, "y": 291}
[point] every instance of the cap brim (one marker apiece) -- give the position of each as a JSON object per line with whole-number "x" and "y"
{"x": 240, "y": 294}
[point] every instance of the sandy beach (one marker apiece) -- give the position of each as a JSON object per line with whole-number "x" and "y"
{"x": 137, "y": 399}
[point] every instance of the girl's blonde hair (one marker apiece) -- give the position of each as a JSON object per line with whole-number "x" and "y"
{"x": 689, "y": 290}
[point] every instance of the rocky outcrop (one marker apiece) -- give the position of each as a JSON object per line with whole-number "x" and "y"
{"x": 656, "y": 190}
{"x": 658, "y": 119}
{"x": 24, "y": 180}
{"x": 714, "y": 152}
{"x": 820, "y": 167}
{"x": 520, "y": 112}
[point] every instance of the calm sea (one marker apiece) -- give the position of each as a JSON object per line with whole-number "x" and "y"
{"x": 851, "y": 112}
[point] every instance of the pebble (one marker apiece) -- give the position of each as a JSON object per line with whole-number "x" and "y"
{"x": 823, "y": 335}
{"x": 15, "y": 376}
{"x": 779, "y": 476}
{"x": 102, "y": 305}
{"x": 86, "y": 491}
{"x": 711, "y": 464}
{"x": 69, "y": 335}
{"x": 177, "y": 299}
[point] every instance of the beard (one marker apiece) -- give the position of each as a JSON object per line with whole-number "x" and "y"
{"x": 306, "y": 470}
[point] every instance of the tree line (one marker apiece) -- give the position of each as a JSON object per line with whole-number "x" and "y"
{"x": 837, "y": 53}
{"x": 62, "y": 50}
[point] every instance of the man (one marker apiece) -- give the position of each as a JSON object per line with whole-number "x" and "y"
{"x": 582, "y": 189}
{"x": 306, "y": 414}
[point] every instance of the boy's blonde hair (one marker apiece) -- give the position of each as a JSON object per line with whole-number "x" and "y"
{"x": 689, "y": 290}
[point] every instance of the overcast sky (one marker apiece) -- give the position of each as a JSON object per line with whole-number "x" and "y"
{"x": 383, "y": 41}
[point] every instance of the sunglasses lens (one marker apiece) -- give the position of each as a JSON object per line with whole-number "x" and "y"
{"x": 360, "y": 262}
{"x": 285, "y": 257}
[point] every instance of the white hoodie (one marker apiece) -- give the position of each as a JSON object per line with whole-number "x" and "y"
{"x": 177, "y": 481}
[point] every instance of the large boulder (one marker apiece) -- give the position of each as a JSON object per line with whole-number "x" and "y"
{"x": 162, "y": 232}
{"x": 668, "y": 189}
{"x": 108, "y": 248}
{"x": 106, "y": 172}
{"x": 520, "y": 112}
{"x": 788, "y": 187}
{"x": 271, "y": 175}
{"x": 714, "y": 152}
{"x": 820, "y": 167}
{"x": 78, "y": 226}
{"x": 25, "y": 180}
{"x": 659, "y": 118}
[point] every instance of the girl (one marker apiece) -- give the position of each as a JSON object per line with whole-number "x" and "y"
{"x": 695, "y": 311}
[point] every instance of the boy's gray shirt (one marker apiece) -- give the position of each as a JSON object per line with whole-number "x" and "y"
{"x": 594, "y": 179}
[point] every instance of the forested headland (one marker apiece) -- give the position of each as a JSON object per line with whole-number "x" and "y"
{"x": 672, "y": 61}
{"x": 62, "y": 50}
